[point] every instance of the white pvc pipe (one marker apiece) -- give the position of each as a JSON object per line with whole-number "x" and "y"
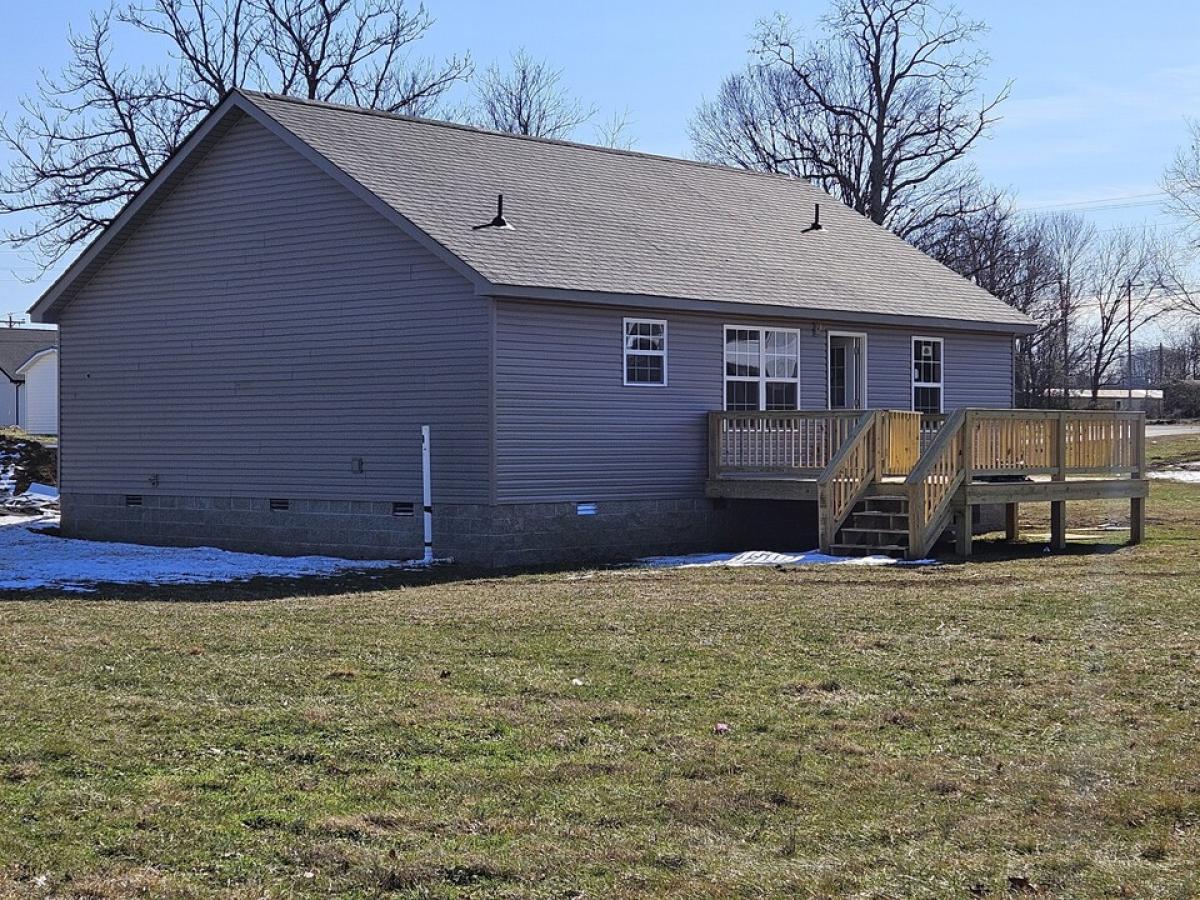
{"x": 426, "y": 494}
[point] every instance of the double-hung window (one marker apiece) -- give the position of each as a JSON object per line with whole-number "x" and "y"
{"x": 927, "y": 375}
{"x": 645, "y": 351}
{"x": 762, "y": 369}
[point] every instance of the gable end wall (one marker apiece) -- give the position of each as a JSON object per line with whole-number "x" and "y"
{"x": 261, "y": 330}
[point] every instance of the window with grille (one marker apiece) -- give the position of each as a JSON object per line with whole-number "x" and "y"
{"x": 927, "y": 375}
{"x": 645, "y": 351}
{"x": 762, "y": 369}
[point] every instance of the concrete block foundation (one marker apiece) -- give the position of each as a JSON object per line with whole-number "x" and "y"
{"x": 518, "y": 535}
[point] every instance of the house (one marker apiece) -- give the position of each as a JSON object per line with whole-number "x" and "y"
{"x": 250, "y": 352}
{"x": 17, "y": 347}
{"x": 39, "y": 411}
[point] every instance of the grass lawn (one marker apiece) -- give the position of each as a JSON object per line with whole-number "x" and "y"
{"x": 1019, "y": 725}
{"x": 1173, "y": 449}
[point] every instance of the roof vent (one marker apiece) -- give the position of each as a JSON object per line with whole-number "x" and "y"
{"x": 499, "y": 221}
{"x": 816, "y": 222}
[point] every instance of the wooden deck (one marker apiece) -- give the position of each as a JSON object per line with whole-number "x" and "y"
{"x": 931, "y": 470}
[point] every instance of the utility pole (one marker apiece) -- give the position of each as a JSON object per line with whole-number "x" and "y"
{"x": 1129, "y": 339}
{"x": 1064, "y": 313}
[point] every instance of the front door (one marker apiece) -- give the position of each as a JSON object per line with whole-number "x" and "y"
{"x": 847, "y": 371}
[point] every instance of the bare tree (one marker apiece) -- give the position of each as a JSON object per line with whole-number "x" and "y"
{"x": 1028, "y": 263}
{"x": 1182, "y": 182}
{"x": 355, "y": 51}
{"x": 1069, "y": 245}
{"x": 528, "y": 98}
{"x": 1124, "y": 295}
{"x": 881, "y": 111}
{"x": 1008, "y": 256}
{"x": 613, "y": 132}
{"x": 92, "y": 136}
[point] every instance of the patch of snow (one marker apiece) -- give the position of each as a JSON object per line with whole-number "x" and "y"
{"x": 1188, "y": 476}
{"x": 771, "y": 558}
{"x": 30, "y": 561}
{"x": 37, "y": 499}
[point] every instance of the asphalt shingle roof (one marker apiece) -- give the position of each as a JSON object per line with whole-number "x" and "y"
{"x": 619, "y": 222}
{"x": 18, "y": 344}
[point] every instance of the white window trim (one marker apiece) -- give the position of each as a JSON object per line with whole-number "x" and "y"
{"x": 862, "y": 366}
{"x": 625, "y": 351}
{"x": 762, "y": 379}
{"x": 912, "y": 372}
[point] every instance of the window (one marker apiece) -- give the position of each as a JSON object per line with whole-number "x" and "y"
{"x": 927, "y": 375}
{"x": 762, "y": 369}
{"x": 645, "y": 351}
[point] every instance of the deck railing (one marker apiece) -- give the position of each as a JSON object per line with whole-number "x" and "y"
{"x": 932, "y": 484}
{"x": 780, "y": 443}
{"x": 1052, "y": 442}
{"x": 1017, "y": 442}
{"x": 848, "y": 476}
{"x": 931, "y": 423}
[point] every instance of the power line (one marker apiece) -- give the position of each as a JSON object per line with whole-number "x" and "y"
{"x": 1103, "y": 203}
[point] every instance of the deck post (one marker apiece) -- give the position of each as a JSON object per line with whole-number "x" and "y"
{"x": 1137, "y": 520}
{"x": 1058, "y": 508}
{"x": 965, "y": 525}
{"x": 824, "y": 538}
{"x": 968, "y": 446}
{"x": 916, "y": 517}
{"x": 882, "y": 426}
{"x": 1058, "y": 525}
{"x": 714, "y": 445}
{"x": 1012, "y": 524}
{"x": 962, "y": 524}
{"x": 1137, "y": 505}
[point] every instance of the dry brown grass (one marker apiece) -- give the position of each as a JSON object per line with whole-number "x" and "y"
{"x": 1023, "y": 724}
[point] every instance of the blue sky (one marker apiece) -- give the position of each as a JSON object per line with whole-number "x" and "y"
{"x": 1100, "y": 95}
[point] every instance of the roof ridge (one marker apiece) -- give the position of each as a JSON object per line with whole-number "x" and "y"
{"x": 476, "y": 129}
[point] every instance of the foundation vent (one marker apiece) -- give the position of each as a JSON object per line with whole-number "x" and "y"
{"x": 586, "y": 509}
{"x": 404, "y": 509}
{"x": 133, "y": 499}
{"x": 280, "y": 505}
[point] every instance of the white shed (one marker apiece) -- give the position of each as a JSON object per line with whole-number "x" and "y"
{"x": 39, "y": 396}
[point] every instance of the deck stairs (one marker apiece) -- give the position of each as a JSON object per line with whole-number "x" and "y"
{"x": 878, "y": 526}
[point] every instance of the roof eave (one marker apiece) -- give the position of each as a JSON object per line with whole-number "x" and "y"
{"x": 25, "y": 366}
{"x": 738, "y": 308}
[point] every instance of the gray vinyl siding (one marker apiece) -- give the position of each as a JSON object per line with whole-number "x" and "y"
{"x": 977, "y": 368}
{"x": 567, "y": 429}
{"x": 262, "y": 328}
{"x": 9, "y": 407}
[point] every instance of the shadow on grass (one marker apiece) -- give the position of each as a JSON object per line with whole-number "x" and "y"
{"x": 267, "y": 588}
{"x": 987, "y": 550}
{"x": 992, "y": 549}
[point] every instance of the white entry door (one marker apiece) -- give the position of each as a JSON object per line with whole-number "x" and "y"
{"x": 847, "y": 370}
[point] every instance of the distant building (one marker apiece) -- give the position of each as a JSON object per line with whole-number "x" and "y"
{"x": 1147, "y": 400}
{"x": 39, "y": 406}
{"x": 18, "y": 346}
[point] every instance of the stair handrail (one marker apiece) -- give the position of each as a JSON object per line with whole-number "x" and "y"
{"x": 847, "y": 477}
{"x": 932, "y": 483}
